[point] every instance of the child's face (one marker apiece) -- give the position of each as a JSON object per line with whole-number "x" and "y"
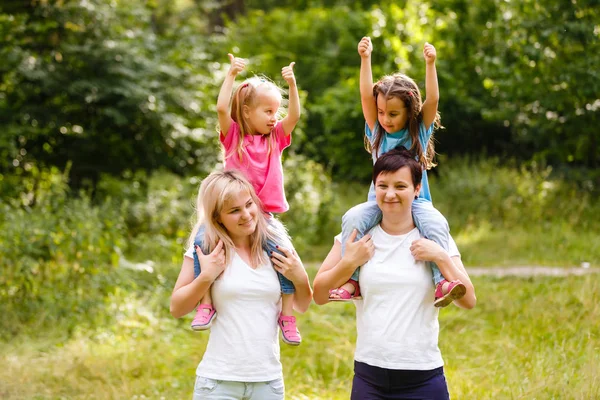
{"x": 392, "y": 113}
{"x": 263, "y": 116}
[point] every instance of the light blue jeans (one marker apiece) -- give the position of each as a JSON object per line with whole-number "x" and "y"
{"x": 287, "y": 287}
{"x": 430, "y": 222}
{"x": 206, "y": 388}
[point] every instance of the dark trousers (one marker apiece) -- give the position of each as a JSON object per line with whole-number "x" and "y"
{"x": 374, "y": 383}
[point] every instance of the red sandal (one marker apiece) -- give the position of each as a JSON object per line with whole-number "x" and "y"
{"x": 455, "y": 290}
{"x": 344, "y": 294}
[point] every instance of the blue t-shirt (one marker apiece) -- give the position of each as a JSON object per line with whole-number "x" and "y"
{"x": 401, "y": 138}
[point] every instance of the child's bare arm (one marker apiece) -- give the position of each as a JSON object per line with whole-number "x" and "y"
{"x": 369, "y": 107}
{"x": 237, "y": 65}
{"x": 432, "y": 93}
{"x": 293, "y": 116}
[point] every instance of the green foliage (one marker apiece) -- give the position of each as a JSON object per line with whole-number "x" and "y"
{"x": 58, "y": 256}
{"x": 94, "y": 83}
{"x": 310, "y": 196}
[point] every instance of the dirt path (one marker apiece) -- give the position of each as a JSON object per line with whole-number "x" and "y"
{"x": 530, "y": 271}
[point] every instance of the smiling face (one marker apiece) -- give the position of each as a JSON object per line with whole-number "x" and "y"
{"x": 395, "y": 191}
{"x": 262, "y": 114}
{"x": 392, "y": 113}
{"x": 239, "y": 215}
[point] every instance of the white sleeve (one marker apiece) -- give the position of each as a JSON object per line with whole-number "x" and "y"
{"x": 189, "y": 252}
{"x": 338, "y": 238}
{"x": 452, "y": 248}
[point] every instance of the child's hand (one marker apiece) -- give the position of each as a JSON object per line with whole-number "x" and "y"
{"x": 237, "y": 64}
{"x": 214, "y": 263}
{"x": 365, "y": 47}
{"x": 429, "y": 53}
{"x": 288, "y": 74}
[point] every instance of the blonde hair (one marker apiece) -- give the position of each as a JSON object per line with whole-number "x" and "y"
{"x": 215, "y": 190}
{"x": 405, "y": 89}
{"x": 246, "y": 95}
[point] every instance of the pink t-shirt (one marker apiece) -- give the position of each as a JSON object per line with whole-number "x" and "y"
{"x": 264, "y": 170}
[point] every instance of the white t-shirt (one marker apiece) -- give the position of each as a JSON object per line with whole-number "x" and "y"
{"x": 396, "y": 322}
{"x": 243, "y": 344}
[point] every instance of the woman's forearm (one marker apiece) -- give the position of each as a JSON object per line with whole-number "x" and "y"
{"x": 185, "y": 298}
{"x": 303, "y": 295}
{"x": 331, "y": 278}
{"x": 452, "y": 269}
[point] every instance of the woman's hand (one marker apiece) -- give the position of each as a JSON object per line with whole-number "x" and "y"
{"x": 427, "y": 250}
{"x": 359, "y": 252}
{"x": 212, "y": 264}
{"x": 237, "y": 64}
{"x": 289, "y": 265}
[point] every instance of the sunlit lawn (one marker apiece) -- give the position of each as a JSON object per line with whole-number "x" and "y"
{"x": 526, "y": 339}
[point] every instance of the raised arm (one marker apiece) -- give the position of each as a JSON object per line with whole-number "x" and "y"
{"x": 224, "y": 115}
{"x": 336, "y": 270}
{"x": 369, "y": 107}
{"x": 293, "y": 116}
{"x": 432, "y": 92}
{"x": 188, "y": 291}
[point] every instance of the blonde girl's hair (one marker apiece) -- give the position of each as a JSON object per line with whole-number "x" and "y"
{"x": 215, "y": 190}
{"x": 404, "y": 88}
{"x": 246, "y": 95}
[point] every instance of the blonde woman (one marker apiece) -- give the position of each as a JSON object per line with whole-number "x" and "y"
{"x": 242, "y": 356}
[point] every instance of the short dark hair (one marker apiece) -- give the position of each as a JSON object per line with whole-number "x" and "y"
{"x": 395, "y": 159}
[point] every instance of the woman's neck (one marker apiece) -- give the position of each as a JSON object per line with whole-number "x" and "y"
{"x": 397, "y": 225}
{"x": 241, "y": 243}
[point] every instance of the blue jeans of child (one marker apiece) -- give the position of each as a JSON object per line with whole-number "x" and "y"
{"x": 430, "y": 222}
{"x": 287, "y": 287}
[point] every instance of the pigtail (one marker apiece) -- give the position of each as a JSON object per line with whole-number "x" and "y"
{"x": 241, "y": 97}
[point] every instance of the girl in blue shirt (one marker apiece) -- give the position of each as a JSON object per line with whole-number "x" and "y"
{"x": 396, "y": 117}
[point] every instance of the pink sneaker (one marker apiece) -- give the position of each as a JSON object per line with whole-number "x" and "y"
{"x": 455, "y": 290}
{"x": 289, "y": 331}
{"x": 203, "y": 320}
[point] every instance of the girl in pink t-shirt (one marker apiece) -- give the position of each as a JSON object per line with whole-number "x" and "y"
{"x": 253, "y": 139}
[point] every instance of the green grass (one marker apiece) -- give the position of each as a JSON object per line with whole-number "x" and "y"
{"x": 526, "y": 339}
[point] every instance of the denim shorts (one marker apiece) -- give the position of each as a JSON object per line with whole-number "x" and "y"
{"x": 207, "y": 388}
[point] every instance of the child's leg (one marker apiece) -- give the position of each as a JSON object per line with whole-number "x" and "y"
{"x": 433, "y": 225}
{"x": 363, "y": 218}
{"x": 281, "y": 238}
{"x": 205, "y": 313}
{"x": 287, "y": 321}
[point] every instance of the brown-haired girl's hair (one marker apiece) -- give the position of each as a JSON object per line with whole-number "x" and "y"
{"x": 245, "y": 95}
{"x": 404, "y": 88}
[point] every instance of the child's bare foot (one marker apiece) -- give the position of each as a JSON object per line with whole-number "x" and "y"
{"x": 348, "y": 291}
{"x": 446, "y": 292}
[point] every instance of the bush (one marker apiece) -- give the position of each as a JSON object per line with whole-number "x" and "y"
{"x": 58, "y": 253}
